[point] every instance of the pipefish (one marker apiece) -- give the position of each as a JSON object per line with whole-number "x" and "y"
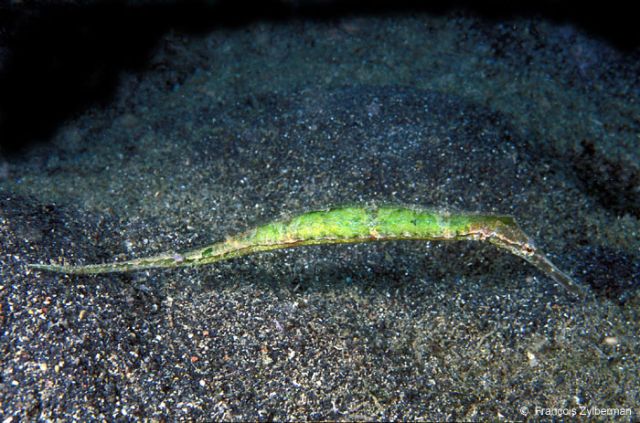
{"x": 349, "y": 225}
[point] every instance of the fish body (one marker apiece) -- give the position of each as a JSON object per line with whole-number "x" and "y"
{"x": 349, "y": 225}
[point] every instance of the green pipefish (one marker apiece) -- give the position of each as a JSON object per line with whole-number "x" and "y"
{"x": 350, "y": 224}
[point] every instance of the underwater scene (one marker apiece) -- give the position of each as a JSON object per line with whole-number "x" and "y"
{"x": 318, "y": 211}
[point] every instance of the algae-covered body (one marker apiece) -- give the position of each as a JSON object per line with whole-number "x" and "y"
{"x": 350, "y": 224}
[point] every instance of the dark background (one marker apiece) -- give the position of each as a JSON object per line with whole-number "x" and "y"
{"x": 57, "y": 60}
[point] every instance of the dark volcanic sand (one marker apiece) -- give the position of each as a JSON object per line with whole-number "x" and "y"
{"x": 239, "y": 127}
